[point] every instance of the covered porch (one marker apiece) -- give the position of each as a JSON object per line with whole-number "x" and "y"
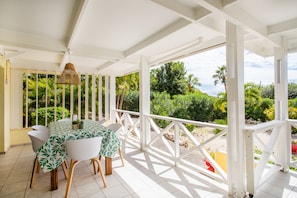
{"x": 106, "y": 39}
{"x": 146, "y": 174}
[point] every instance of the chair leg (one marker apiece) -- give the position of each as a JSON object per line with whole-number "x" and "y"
{"x": 121, "y": 156}
{"x": 100, "y": 157}
{"x": 70, "y": 175}
{"x": 35, "y": 166}
{"x": 66, "y": 164}
{"x": 64, "y": 167}
{"x": 94, "y": 166}
{"x": 100, "y": 170}
{"x": 38, "y": 168}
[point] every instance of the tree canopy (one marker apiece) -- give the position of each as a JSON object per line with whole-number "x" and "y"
{"x": 171, "y": 78}
{"x": 221, "y": 76}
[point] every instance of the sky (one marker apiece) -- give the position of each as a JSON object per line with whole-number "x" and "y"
{"x": 257, "y": 69}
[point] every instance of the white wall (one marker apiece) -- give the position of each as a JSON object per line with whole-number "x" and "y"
{"x": 4, "y": 106}
{"x": 16, "y": 99}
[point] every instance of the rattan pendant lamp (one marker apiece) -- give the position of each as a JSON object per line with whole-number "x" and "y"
{"x": 69, "y": 75}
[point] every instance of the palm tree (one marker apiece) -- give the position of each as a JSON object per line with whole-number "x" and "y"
{"x": 124, "y": 85}
{"x": 221, "y": 76}
{"x": 252, "y": 95}
{"x": 192, "y": 82}
{"x": 221, "y": 102}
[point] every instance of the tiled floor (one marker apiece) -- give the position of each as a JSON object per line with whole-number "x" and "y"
{"x": 144, "y": 175}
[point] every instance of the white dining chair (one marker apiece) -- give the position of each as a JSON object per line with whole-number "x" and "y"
{"x": 80, "y": 150}
{"x": 101, "y": 121}
{"x": 115, "y": 127}
{"x": 38, "y": 138}
{"x": 65, "y": 119}
{"x": 41, "y": 128}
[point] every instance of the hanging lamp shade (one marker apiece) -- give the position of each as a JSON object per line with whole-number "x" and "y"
{"x": 69, "y": 76}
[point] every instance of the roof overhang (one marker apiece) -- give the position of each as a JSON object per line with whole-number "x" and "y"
{"x": 111, "y": 37}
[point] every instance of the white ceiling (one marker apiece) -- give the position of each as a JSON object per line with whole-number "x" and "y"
{"x": 111, "y": 36}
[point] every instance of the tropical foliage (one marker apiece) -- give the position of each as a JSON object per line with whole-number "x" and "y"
{"x": 221, "y": 76}
{"x": 124, "y": 85}
{"x": 174, "y": 93}
{"x": 44, "y": 93}
{"x": 171, "y": 78}
{"x": 48, "y": 114}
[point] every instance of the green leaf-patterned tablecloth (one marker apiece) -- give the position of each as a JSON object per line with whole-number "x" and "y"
{"x": 53, "y": 152}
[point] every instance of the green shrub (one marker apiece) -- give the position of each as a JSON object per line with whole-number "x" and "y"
{"x": 50, "y": 115}
{"x": 201, "y": 107}
{"x": 131, "y": 101}
{"x": 219, "y": 121}
{"x": 161, "y": 104}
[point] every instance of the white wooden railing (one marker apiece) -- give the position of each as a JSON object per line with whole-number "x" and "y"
{"x": 131, "y": 126}
{"x": 290, "y": 125}
{"x": 258, "y": 171}
{"x": 180, "y": 146}
{"x": 175, "y": 142}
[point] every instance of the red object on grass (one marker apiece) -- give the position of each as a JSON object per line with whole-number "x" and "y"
{"x": 209, "y": 166}
{"x": 294, "y": 148}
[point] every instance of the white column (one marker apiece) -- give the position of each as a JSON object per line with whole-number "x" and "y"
{"x": 63, "y": 101}
{"x": 27, "y": 108}
{"x": 112, "y": 98}
{"x": 236, "y": 119}
{"x": 46, "y": 97}
{"x": 16, "y": 99}
{"x": 55, "y": 99}
{"x": 71, "y": 101}
{"x": 86, "y": 96}
{"x": 106, "y": 99}
{"x": 93, "y": 97}
{"x": 36, "y": 104}
{"x": 144, "y": 100}
{"x": 4, "y": 105}
{"x": 100, "y": 116}
{"x": 282, "y": 150}
{"x": 79, "y": 100}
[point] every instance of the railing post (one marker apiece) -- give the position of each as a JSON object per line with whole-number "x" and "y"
{"x": 106, "y": 98}
{"x": 144, "y": 99}
{"x": 126, "y": 120}
{"x": 281, "y": 103}
{"x": 112, "y": 97}
{"x": 176, "y": 141}
{"x": 235, "y": 101}
{"x": 250, "y": 169}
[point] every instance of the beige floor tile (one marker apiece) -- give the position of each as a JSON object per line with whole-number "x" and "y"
{"x": 144, "y": 175}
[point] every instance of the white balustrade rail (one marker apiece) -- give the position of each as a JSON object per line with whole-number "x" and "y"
{"x": 262, "y": 137}
{"x": 180, "y": 146}
{"x": 131, "y": 126}
{"x": 176, "y": 143}
{"x": 292, "y": 124}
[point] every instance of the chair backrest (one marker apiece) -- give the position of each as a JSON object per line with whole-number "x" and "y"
{"x": 65, "y": 119}
{"x": 114, "y": 127}
{"x": 38, "y": 138}
{"x": 83, "y": 149}
{"x": 101, "y": 121}
{"x": 41, "y": 128}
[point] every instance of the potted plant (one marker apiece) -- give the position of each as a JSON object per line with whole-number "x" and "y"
{"x": 75, "y": 124}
